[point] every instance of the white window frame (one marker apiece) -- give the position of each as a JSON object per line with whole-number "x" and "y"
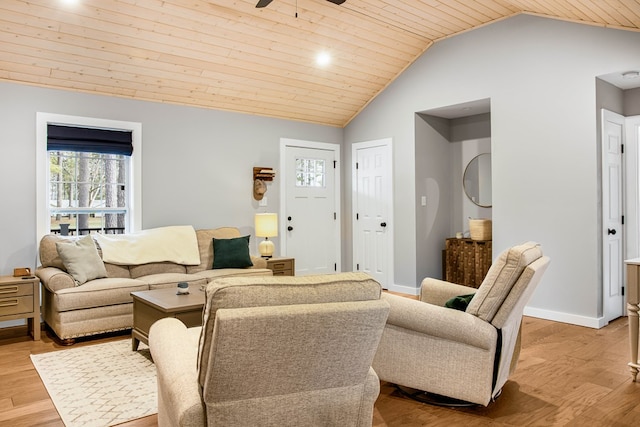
{"x": 134, "y": 202}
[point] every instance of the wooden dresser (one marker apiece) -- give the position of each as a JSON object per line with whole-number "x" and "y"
{"x": 20, "y": 299}
{"x": 466, "y": 261}
{"x": 282, "y": 266}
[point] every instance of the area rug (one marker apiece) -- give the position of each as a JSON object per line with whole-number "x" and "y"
{"x": 99, "y": 385}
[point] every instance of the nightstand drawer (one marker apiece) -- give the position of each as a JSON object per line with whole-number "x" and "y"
{"x": 16, "y": 290}
{"x": 16, "y": 305}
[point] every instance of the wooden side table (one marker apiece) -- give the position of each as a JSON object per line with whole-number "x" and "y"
{"x": 150, "y": 306}
{"x": 20, "y": 299}
{"x": 467, "y": 261}
{"x": 281, "y": 266}
{"x": 633, "y": 305}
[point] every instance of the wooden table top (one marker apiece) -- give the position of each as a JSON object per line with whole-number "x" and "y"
{"x": 168, "y": 300}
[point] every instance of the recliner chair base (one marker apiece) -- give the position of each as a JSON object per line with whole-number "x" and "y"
{"x": 435, "y": 399}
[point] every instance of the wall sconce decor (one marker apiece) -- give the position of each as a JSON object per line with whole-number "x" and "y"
{"x": 260, "y": 176}
{"x": 266, "y": 226}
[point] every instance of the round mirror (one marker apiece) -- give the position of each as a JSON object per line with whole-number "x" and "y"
{"x": 477, "y": 180}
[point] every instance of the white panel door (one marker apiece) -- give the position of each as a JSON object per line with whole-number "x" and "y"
{"x": 373, "y": 236}
{"x": 612, "y": 251}
{"x": 310, "y": 215}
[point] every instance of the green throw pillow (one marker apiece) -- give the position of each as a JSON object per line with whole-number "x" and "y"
{"x": 81, "y": 260}
{"x": 231, "y": 253}
{"x": 460, "y": 302}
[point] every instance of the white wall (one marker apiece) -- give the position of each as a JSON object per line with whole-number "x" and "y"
{"x": 196, "y": 167}
{"x": 540, "y": 76}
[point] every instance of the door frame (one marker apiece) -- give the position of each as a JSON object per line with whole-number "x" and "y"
{"x": 388, "y": 144}
{"x": 285, "y": 143}
{"x": 608, "y": 314}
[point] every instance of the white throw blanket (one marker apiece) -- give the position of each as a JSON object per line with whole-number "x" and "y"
{"x": 177, "y": 244}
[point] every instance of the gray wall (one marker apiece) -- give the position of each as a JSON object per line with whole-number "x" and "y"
{"x": 196, "y": 166}
{"x": 540, "y": 76}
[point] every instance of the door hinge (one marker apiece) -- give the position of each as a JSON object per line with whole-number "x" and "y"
{"x": 335, "y": 216}
{"x": 622, "y": 219}
{"x": 623, "y": 291}
{"x": 334, "y": 163}
{"x": 357, "y": 267}
{"x": 335, "y": 267}
{"x": 356, "y": 165}
{"x": 357, "y": 217}
{"x": 621, "y": 148}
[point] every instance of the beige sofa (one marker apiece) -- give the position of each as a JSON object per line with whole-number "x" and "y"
{"x": 105, "y": 304}
{"x": 273, "y": 351}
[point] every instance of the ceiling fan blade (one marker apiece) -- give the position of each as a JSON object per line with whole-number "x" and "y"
{"x": 264, "y": 3}
{"x": 337, "y": 1}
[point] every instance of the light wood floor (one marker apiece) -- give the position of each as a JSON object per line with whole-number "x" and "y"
{"x": 567, "y": 376}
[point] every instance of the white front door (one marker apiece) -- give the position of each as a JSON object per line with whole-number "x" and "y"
{"x": 612, "y": 244}
{"x": 373, "y": 210}
{"x": 309, "y": 217}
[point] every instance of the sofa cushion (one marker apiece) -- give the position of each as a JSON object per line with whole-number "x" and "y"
{"x": 115, "y": 270}
{"x": 231, "y": 253}
{"x": 49, "y": 256}
{"x": 141, "y": 270}
{"x": 205, "y": 245}
{"x": 263, "y": 291}
{"x": 501, "y": 277}
{"x": 169, "y": 280}
{"x": 81, "y": 259}
{"x": 210, "y": 275}
{"x": 97, "y": 293}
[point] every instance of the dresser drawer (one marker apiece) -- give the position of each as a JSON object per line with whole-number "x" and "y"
{"x": 16, "y": 290}
{"x": 281, "y": 266}
{"x": 16, "y": 305}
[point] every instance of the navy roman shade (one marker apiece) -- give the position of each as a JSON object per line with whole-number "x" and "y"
{"x": 106, "y": 141}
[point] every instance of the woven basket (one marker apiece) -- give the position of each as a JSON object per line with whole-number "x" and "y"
{"x": 480, "y": 229}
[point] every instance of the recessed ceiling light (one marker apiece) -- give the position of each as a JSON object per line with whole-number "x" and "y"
{"x": 323, "y": 59}
{"x": 631, "y": 75}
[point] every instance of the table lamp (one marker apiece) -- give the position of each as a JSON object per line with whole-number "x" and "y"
{"x": 266, "y": 226}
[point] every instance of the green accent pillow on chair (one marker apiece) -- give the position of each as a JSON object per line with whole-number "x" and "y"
{"x": 231, "y": 253}
{"x": 460, "y": 302}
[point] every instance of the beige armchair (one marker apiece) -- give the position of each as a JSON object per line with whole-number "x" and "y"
{"x": 273, "y": 351}
{"x": 462, "y": 355}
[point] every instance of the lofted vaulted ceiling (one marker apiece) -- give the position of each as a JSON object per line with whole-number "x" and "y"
{"x": 228, "y": 55}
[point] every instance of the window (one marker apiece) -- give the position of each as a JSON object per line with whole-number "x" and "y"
{"x": 87, "y": 192}
{"x": 85, "y": 183}
{"x": 310, "y": 172}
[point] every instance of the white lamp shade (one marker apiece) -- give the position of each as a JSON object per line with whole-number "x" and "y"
{"x": 266, "y": 224}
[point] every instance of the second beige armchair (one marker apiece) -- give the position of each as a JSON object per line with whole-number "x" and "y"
{"x": 463, "y": 355}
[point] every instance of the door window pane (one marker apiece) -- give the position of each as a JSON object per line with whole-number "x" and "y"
{"x": 310, "y": 172}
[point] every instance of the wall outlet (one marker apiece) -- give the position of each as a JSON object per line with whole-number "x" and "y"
{"x": 263, "y": 202}
{"x": 423, "y": 200}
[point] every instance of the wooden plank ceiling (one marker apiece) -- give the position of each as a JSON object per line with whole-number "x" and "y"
{"x": 228, "y": 55}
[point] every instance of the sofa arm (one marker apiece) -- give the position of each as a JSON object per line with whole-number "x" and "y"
{"x": 174, "y": 349}
{"x": 258, "y": 262}
{"x": 55, "y": 279}
{"x": 437, "y": 292}
{"x": 436, "y": 321}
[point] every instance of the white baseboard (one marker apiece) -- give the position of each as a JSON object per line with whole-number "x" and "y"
{"x": 403, "y": 289}
{"x": 573, "y": 319}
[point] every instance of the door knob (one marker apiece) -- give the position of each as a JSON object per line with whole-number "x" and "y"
{"x": 383, "y": 224}
{"x": 289, "y": 228}
{"x": 611, "y": 231}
